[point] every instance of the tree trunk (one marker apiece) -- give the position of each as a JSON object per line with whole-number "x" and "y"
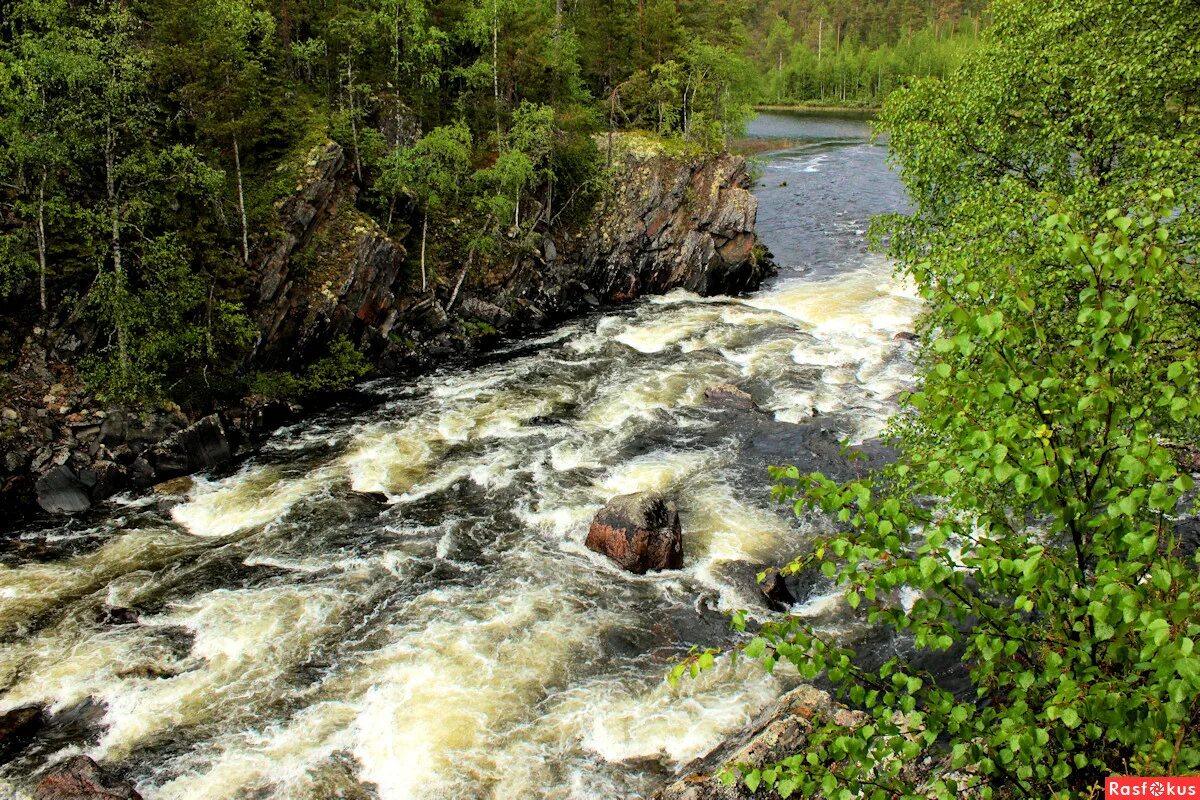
{"x": 41, "y": 241}
{"x": 458, "y": 284}
{"x": 466, "y": 267}
{"x": 496, "y": 64}
{"x": 353, "y": 120}
{"x": 396, "y": 65}
{"x": 612, "y": 123}
{"x": 820, "y": 31}
{"x": 641, "y": 17}
{"x": 687, "y": 120}
{"x": 110, "y": 146}
{"x": 237, "y": 162}
{"x": 424, "y": 230}
{"x": 285, "y": 28}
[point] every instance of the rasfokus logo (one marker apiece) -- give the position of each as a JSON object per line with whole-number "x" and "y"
{"x": 1152, "y": 787}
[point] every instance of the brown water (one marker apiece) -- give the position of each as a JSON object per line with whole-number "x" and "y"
{"x": 298, "y": 639}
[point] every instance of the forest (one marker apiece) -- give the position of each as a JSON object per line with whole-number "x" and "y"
{"x": 144, "y": 145}
{"x": 855, "y": 54}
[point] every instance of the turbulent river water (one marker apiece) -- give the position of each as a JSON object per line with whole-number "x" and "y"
{"x": 300, "y": 637}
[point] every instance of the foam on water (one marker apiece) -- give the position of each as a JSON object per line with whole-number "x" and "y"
{"x": 255, "y": 497}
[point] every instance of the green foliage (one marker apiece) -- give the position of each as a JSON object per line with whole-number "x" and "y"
{"x": 520, "y": 165}
{"x": 276, "y": 385}
{"x": 703, "y": 97}
{"x": 1050, "y": 554}
{"x": 477, "y": 328}
{"x": 344, "y": 365}
{"x": 174, "y": 324}
{"x": 860, "y": 76}
{"x": 339, "y": 370}
{"x": 432, "y": 170}
{"x": 1030, "y": 517}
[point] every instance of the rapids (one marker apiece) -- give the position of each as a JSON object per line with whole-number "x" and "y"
{"x": 396, "y": 602}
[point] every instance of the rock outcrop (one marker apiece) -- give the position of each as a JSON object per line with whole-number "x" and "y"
{"x": 783, "y": 730}
{"x": 641, "y": 532}
{"x": 675, "y": 222}
{"x": 81, "y": 778}
{"x": 780, "y": 731}
{"x": 332, "y": 272}
{"x": 671, "y": 222}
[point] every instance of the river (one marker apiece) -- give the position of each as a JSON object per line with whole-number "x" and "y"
{"x": 396, "y": 602}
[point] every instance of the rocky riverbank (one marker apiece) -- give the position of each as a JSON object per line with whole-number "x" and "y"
{"x": 671, "y": 221}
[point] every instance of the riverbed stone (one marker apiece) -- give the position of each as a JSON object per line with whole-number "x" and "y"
{"x": 81, "y": 778}
{"x": 117, "y": 615}
{"x": 110, "y": 479}
{"x": 203, "y": 445}
{"x": 641, "y": 532}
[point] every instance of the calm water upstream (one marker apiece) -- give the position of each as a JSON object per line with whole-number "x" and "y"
{"x": 298, "y": 639}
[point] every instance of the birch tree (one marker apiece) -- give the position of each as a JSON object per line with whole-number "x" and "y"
{"x": 432, "y": 171}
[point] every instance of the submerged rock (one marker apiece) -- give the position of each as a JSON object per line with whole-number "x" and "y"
{"x": 778, "y": 591}
{"x": 117, "y": 615}
{"x": 81, "y": 778}
{"x": 726, "y": 394}
{"x": 641, "y": 532}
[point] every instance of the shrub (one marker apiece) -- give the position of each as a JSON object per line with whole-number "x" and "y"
{"x": 339, "y": 370}
{"x": 1031, "y": 512}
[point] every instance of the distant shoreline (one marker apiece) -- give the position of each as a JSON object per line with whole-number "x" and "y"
{"x": 866, "y": 111}
{"x": 750, "y": 146}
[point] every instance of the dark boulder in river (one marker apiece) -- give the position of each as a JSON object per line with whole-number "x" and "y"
{"x": 81, "y": 778}
{"x": 202, "y": 445}
{"x": 641, "y": 532}
{"x": 17, "y": 727}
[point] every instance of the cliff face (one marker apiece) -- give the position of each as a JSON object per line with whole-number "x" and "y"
{"x": 671, "y": 222}
{"x": 330, "y": 271}
{"x": 675, "y": 222}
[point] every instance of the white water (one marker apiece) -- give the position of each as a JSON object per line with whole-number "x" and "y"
{"x": 456, "y": 640}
